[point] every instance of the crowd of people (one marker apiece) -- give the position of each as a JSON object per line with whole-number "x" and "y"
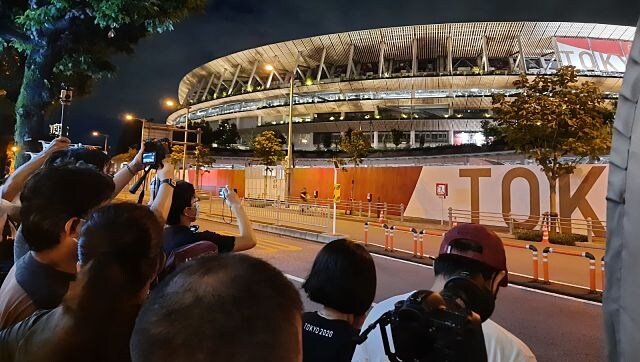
{"x": 89, "y": 279}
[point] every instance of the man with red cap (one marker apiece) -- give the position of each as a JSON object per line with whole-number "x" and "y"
{"x": 477, "y": 253}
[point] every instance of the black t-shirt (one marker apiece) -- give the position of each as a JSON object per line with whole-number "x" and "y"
{"x": 326, "y": 339}
{"x": 177, "y": 236}
{"x": 45, "y": 285}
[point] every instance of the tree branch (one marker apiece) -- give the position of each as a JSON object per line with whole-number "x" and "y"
{"x": 10, "y": 34}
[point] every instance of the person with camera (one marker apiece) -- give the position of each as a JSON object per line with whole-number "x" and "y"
{"x": 471, "y": 253}
{"x": 184, "y": 210}
{"x": 343, "y": 280}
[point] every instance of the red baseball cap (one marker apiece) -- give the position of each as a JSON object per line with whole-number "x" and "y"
{"x": 492, "y": 250}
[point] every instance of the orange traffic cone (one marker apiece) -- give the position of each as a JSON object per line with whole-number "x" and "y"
{"x": 545, "y": 234}
{"x": 381, "y": 217}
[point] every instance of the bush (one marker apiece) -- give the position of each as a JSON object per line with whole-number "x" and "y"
{"x": 558, "y": 239}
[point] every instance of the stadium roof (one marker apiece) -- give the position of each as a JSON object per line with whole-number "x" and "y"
{"x": 466, "y": 40}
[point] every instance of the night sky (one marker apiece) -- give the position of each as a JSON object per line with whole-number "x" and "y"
{"x": 159, "y": 62}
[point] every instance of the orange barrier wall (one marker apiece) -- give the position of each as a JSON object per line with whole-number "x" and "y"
{"x": 393, "y": 185}
{"x": 221, "y": 177}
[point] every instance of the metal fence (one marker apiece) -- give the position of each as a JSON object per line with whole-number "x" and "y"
{"x": 281, "y": 213}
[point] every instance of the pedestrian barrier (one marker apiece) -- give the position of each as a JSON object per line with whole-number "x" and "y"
{"x": 413, "y": 231}
{"x": 534, "y": 257}
{"x": 602, "y": 270}
{"x": 376, "y": 225}
{"x": 585, "y": 254}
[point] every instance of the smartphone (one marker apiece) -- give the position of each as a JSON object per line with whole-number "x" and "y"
{"x": 223, "y": 193}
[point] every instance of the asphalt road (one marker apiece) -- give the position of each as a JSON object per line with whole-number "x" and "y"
{"x": 556, "y": 328}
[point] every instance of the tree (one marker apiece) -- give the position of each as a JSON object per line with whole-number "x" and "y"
{"x": 396, "y": 136}
{"x": 327, "y": 141}
{"x": 226, "y": 134}
{"x": 71, "y": 42}
{"x": 356, "y": 145}
{"x": 202, "y": 157}
{"x": 268, "y": 150}
{"x": 556, "y": 121}
{"x": 125, "y": 157}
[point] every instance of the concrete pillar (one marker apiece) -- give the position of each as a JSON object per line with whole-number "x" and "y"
{"x": 375, "y": 139}
{"x": 412, "y": 138}
{"x": 450, "y": 136}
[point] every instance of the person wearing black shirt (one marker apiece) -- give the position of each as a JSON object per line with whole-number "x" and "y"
{"x": 184, "y": 210}
{"x": 343, "y": 280}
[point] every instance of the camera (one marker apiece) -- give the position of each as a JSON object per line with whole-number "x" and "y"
{"x": 155, "y": 150}
{"x": 430, "y": 326}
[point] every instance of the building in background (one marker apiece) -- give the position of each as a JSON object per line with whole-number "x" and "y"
{"x": 432, "y": 82}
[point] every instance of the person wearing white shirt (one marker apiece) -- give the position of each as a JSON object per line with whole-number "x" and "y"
{"x": 471, "y": 249}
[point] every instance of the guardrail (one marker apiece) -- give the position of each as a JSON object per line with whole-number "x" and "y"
{"x": 273, "y": 212}
{"x": 534, "y": 257}
{"x": 530, "y": 222}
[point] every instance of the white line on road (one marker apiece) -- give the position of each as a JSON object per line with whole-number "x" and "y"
{"x": 294, "y": 278}
{"x": 510, "y": 284}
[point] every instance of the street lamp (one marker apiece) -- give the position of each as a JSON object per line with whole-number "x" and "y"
{"x": 287, "y": 172}
{"x": 131, "y": 117}
{"x": 106, "y": 139}
{"x": 170, "y": 103}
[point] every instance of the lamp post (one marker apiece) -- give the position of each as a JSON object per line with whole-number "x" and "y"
{"x": 289, "y": 164}
{"x": 187, "y": 106}
{"x": 106, "y": 139}
{"x": 130, "y": 117}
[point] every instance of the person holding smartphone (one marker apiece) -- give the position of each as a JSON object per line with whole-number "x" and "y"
{"x": 184, "y": 211}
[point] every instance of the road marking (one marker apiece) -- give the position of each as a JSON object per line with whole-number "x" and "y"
{"x": 510, "y": 284}
{"x": 294, "y": 278}
{"x": 555, "y": 295}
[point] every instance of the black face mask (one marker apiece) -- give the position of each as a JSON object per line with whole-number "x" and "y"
{"x": 479, "y": 299}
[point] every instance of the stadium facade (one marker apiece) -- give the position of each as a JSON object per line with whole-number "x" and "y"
{"x": 432, "y": 82}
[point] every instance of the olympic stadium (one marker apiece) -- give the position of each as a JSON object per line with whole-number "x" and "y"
{"x": 432, "y": 82}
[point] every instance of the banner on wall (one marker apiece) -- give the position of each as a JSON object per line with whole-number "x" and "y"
{"x": 522, "y": 191}
{"x": 594, "y": 54}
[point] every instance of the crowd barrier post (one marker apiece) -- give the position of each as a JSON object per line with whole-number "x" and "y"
{"x": 450, "y": 217}
{"x": 366, "y": 233}
{"x": 534, "y": 258}
{"x": 545, "y": 264}
{"x": 589, "y": 229}
{"x": 602, "y": 271}
{"x": 391, "y": 230}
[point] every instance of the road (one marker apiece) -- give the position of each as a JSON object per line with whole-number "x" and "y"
{"x": 556, "y": 328}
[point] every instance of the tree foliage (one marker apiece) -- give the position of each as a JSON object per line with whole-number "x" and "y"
{"x": 356, "y": 145}
{"x": 177, "y": 152}
{"x": 226, "y": 134}
{"x": 71, "y": 42}
{"x": 202, "y": 156}
{"x": 125, "y": 157}
{"x": 396, "y": 136}
{"x": 268, "y": 149}
{"x": 555, "y": 120}
{"x": 327, "y": 141}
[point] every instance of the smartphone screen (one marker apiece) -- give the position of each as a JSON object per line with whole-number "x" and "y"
{"x": 149, "y": 158}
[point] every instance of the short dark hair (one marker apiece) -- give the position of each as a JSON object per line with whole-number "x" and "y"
{"x": 343, "y": 277}
{"x": 55, "y": 194}
{"x": 183, "y": 194}
{"x": 230, "y": 307}
{"x": 75, "y": 155}
{"x": 448, "y": 265}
